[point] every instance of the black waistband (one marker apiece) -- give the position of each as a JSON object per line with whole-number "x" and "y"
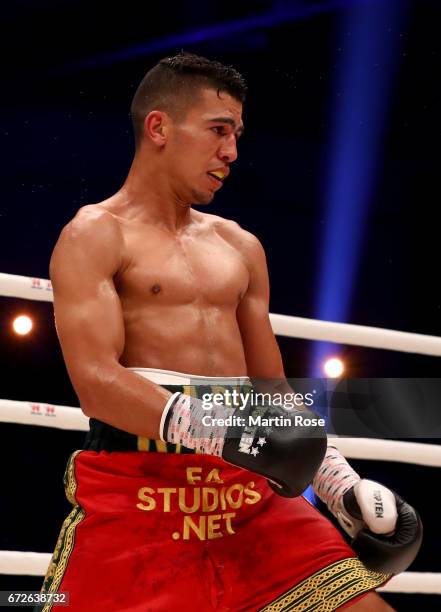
{"x": 104, "y": 437}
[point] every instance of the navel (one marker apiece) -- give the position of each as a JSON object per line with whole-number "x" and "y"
{"x": 155, "y": 289}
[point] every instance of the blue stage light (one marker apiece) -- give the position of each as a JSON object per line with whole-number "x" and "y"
{"x": 370, "y": 54}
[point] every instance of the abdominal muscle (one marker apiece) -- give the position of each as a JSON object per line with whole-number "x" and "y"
{"x": 185, "y": 338}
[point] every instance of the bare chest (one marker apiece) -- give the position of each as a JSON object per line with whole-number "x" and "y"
{"x": 163, "y": 270}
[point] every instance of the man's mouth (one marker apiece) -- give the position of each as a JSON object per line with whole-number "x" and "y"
{"x": 218, "y": 175}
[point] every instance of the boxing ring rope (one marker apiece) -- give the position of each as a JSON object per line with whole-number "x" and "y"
{"x": 70, "y": 418}
{"x": 283, "y": 325}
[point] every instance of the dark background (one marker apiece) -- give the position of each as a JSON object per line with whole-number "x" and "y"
{"x": 69, "y": 72}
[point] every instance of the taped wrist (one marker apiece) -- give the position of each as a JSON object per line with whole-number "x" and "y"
{"x": 182, "y": 423}
{"x": 334, "y": 477}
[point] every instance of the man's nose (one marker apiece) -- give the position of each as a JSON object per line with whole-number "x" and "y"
{"x": 228, "y": 149}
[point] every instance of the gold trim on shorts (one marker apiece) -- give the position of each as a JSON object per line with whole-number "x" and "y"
{"x": 66, "y": 539}
{"x": 329, "y": 588}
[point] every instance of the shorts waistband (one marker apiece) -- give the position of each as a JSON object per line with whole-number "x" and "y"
{"x": 169, "y": 377}
{"x": 104, "y": 437}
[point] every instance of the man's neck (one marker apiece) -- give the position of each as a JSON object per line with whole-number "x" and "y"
{"x": 150, "y": 197}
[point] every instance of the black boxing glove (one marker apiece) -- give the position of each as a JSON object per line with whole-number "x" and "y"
{"x": 387, "y": 532}
{"x": 285, "y": 446}
{"x": 288, "y": 451}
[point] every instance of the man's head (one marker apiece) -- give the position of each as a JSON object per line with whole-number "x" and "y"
{"x": 189, "y": 109}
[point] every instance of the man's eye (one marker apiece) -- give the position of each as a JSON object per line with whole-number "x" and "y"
{"x": 219, "y": 129}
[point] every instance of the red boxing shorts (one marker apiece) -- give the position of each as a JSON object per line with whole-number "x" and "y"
{"x": 161, "y": 531}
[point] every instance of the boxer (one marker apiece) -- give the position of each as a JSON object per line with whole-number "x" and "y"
{"x": 156, "y": 304}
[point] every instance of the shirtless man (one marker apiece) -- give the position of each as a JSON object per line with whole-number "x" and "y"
{"x": 149, "y": 295}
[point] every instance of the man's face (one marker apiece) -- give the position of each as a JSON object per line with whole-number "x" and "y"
{"x": 202, "y": 146}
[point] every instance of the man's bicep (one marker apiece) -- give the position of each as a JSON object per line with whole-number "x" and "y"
{"x": 88, "y": 313}
{"x": 90, "y": 326}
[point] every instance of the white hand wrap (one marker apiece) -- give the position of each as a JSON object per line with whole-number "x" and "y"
{"x": 377, "y": 503}
{"x": 334, "y": 477}
{"x": 182, "y": 422}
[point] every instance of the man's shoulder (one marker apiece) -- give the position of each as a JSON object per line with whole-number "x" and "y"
{"x": 93, "y": 230}
{"x": 93, "y": 233}
{"x": 93, "y": 214}
{"x": 92, "y": 219}
{"x": 233, "y": 232}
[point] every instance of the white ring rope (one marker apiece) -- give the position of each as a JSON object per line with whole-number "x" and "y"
{"x": 357, "y": 335}
{"x": 45, "y": 415}
{"x": 26, "y": 287}
{"x": 283, "y": 325}
{"x": 428, "y": 583}
{"x": 69, "y": 418}
{"x": 18, "y": 563}
{"x": 374, "y": 449}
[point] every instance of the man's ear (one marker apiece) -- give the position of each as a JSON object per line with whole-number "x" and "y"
{"x": 156, "y": 127}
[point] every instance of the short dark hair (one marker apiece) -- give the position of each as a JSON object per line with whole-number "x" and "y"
{"x": 172, "y": 84}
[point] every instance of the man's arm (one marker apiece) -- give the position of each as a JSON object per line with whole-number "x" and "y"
{"x": 262, "y": 352}
{"x": 90, "y": 326}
